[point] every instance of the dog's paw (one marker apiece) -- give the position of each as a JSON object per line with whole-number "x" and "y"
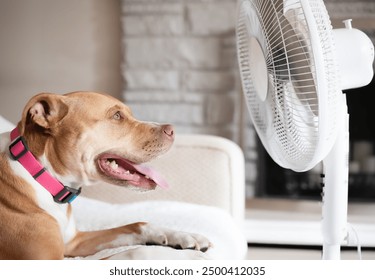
{"x": 177, "y": 239}
{"x": 185, "y": 240}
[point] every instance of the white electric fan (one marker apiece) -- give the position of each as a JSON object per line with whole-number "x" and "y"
{"x": 294, "y": 67}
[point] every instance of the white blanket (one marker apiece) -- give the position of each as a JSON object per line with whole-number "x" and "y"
{"x": 217, "y": 225}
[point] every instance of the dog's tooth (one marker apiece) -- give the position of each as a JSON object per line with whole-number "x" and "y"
{"x": 147, "y": 177}
{"x": 114, "y": 165}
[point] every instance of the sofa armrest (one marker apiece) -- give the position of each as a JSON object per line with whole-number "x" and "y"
{"x": 201, "y": 169}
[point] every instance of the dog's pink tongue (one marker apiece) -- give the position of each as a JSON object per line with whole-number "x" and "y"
{"x": 152, "y": 174}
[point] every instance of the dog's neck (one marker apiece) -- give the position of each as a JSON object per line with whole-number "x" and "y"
{"x": 21, "y": 153}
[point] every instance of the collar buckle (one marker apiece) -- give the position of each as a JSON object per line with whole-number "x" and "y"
{"x": 18, "y": 148}
{"x": 66, "y": 195}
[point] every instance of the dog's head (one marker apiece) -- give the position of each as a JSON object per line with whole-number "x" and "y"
{"x": 86, "y": 136}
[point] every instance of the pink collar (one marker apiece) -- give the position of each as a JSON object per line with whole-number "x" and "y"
{"x": 20, "y": 152}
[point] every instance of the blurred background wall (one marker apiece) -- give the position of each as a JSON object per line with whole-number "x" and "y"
{"x": 57, "y": 46}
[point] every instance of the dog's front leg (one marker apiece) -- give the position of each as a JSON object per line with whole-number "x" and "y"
{"x": 90, "y": 242}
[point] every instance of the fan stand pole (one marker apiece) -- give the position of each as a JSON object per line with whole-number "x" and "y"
{"x": 335, "y": 192}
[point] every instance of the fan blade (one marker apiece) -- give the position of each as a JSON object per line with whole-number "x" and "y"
{"x": 289, "y": 52}
{"x": 299, "y": 64}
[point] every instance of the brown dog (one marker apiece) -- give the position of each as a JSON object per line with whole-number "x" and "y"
{"x": 75, "y": 140}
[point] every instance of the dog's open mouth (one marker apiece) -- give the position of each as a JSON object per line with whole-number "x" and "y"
{"x": 121, "y": 169}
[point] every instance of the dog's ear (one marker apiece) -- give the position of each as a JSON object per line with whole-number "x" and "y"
{"x": 44, "y": 110}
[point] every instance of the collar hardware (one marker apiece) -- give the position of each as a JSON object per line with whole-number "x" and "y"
{"x": 18, "y": 148}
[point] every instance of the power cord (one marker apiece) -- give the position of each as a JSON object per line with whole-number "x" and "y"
{"x": 357, "y": 241}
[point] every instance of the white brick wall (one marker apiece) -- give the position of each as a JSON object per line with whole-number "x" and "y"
{"x": 180, "y": 65}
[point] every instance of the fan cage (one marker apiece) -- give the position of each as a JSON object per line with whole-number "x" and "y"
{"x": 297, "y": 123}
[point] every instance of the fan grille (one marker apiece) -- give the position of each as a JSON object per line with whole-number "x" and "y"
{"x": 295, "y": 45}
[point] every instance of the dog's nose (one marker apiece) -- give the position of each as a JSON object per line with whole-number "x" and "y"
{"x": 168, "y": 131}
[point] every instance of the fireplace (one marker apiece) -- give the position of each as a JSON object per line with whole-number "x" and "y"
{"x": 307, "y": 185}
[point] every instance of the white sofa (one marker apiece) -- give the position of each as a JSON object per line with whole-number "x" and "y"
{"x": 206, "y": 195}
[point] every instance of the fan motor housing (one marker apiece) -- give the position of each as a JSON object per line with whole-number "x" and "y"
{"x": 355, "y": 56}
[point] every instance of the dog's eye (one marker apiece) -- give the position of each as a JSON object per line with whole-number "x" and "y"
{"x": 117, "y": 116}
